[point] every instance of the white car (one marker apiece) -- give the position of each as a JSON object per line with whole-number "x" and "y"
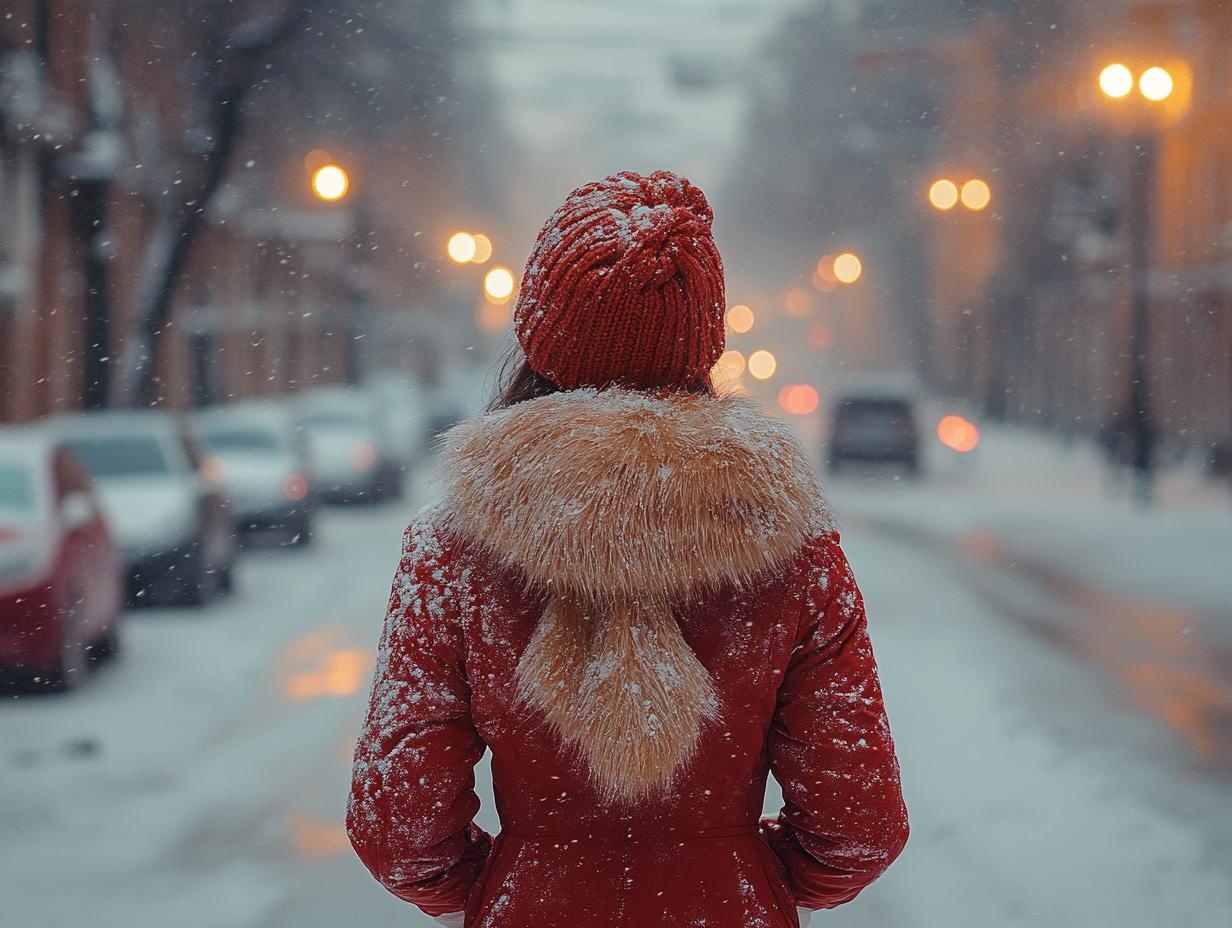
{"x": 406, "y": 410}
{"x": 170, "y": 520}
{"x": 354, "y": 455}
{"x": 259, "y": 455}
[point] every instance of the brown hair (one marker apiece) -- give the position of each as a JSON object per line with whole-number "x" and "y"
{"x": 518, "y": 382}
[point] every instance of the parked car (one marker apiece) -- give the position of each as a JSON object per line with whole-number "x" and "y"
{"x": 260, "y": 456}
{"x": 874, "y": 425}
{"x": 61, "y": 574}
{"x": 171, "y": 521}
{"x": 406, "y": 411}
{"x": 349, "y": 439}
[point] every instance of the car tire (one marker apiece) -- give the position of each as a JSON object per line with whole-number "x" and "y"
{"x": 203, "y": 582}
{"x": 105, "y": 647}
{"x": 74, "y": 664}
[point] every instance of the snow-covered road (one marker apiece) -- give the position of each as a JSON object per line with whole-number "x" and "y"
{"x": 1051, "y": 660}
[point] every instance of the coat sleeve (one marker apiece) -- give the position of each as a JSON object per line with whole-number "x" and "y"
{"x": 843, "y": 821}
{"x": 413, "y": 784}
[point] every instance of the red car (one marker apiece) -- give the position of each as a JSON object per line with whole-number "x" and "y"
{"x": 61, "y": 575}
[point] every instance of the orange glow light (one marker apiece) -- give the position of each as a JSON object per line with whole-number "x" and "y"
{"x": 1155, "y": 84}
{"x": 295, "y": 487}
{"x": 847, "y": 268}
{"x": 363, "y": 457}
{"x": 330, "y": 182}
{"x": 975, "y": 194}
{"x": 762, "y": 364}
{"x": 483, "y": 249}
{"x": 943, "y": 194}
{"x": 957, "y": 433}
{"x": 798, "y": 303}
{"x": 740, "y": 319}
{"x": 799, "y": 400}
{"x": 498, "y": 284}
{"x": 462, "y": 247}
{"x": 493, "y": 317}
{"x": 1115, "y": 80}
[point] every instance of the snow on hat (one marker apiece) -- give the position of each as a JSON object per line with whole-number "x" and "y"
{"x": 624, "y": 286}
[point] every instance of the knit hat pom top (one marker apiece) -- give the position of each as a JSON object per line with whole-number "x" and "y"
{"x": 625, "y": 286}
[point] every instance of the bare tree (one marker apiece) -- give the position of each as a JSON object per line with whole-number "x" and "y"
{"x": 224, "y": 47}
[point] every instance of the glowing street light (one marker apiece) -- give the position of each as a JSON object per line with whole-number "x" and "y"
{"x": 740, "y": 320}
{"x": 847, "y": 268}
{"x": 1116, "y": 81}
{"x": 483, "y": 248}
{"x": 462, "y": 247}
{"x": 762, "y": 364}
{"x": 1155, "y": 84}
{"x": 799, "y": 399}
{"x": 943, "y": 194}
{"x": 957, "y": 433}
{"x": 498, "y": 284}
{"x": 330, "y": 182}
{"x": 975, "y": 194}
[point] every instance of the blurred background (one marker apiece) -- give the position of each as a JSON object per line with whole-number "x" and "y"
{"x": 256, "y": 254}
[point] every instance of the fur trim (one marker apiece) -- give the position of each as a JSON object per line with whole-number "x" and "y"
{"x": 625, "y": 505}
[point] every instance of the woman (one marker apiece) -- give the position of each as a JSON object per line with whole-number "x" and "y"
{"x": 633, "y": 594}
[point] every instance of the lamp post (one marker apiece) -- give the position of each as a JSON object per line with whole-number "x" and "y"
{"x": 1155, "y": 85}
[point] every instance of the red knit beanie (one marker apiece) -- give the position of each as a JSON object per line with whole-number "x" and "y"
{"x": 624, "y": 286}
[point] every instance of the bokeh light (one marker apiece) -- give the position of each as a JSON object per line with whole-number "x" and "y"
{"x": 799, "y": 399}
{"x": 825, "y": 269}
{"x": 1115, "y": 80}
{"x": 1155, "y": 84}
{"x": 975, "y": 194}
{"x": 483, "y": 249}
{"x": 498, "y": 284}
{"x": 762, "y": 364}
{"x": 798, "y": 303}
{"x": 943, "y": 194}
{"x": 214, "y": 469}
{"x": 491, "y": 318}
{"x": 957, "y": 433}
{"x": 363, "y": 457}
{"x": 740, "y": 319}
{"x": 847, "y": 268}
{"x": 329, "y": 182}
{"x": 820, "y": 337}
{"x": 462, "y": 247}
{"x": 295, "y": 487}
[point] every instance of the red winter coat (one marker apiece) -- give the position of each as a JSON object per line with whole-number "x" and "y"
{"x": 638, "y": 605}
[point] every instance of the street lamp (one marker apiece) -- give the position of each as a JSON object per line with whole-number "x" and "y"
{"x": 1156, "y": 85}
{"x": 847, "y": 268}
{"x": 944, "y": 194}
{"x": 330, "y": 182}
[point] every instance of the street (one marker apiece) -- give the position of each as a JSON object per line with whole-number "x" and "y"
{"x": 1063, "y": 729}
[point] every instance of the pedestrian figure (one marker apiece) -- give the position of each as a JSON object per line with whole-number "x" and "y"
{"x": 634, "y": 596}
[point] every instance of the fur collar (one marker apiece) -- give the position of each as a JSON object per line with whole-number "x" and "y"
{"x": 625, "y": 505}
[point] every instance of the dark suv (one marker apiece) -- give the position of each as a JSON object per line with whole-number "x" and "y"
{"x": 874, "y": 429}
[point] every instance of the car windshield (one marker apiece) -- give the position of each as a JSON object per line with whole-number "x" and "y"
{"x": 895, "y": 411}
{"x": 120, "y": 455}
{"x": 16, "y": 489}
{"x": 250, "y": 440}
